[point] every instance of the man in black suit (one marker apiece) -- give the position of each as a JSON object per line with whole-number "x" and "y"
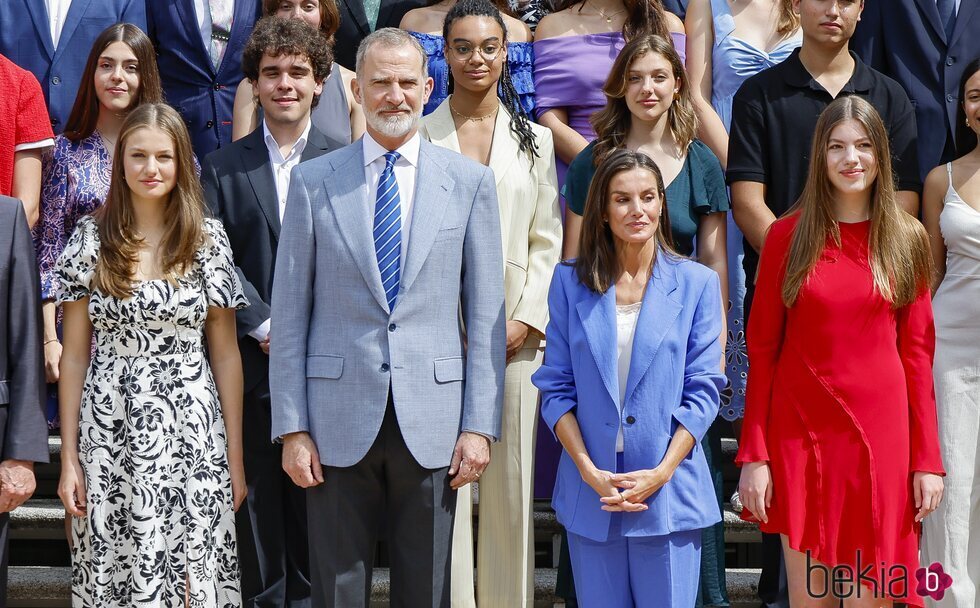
{"x": 245, "y": 184}
{"x": 23, "y": 427}
{"x": 358, "y": 18}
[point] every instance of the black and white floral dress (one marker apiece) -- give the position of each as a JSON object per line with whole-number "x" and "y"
{"x": 159, "y": 522}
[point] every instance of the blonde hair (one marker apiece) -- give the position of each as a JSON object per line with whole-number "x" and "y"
{"x": 183, "y": 233}
{"x": 899, "y": 251}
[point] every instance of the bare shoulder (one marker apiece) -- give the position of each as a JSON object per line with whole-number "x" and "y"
{"x": 674, "y": 23}
{"x": 414, "y": 19}
{"x": 556, "y": 24}
{"x": 517, "y": 30}
{"x": 937, "y": 179}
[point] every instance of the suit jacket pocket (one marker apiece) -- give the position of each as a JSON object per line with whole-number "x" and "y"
{"x": 448, "y": 369}
{"x": 453, "y": 232}
{"x": 4, "y": 393}
{"x": 324, "y": 366}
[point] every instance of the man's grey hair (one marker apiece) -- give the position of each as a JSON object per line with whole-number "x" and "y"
{"x": 390, "y": 38}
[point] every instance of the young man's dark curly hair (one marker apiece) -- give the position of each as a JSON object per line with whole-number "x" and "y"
{"x": 276, "y": 36}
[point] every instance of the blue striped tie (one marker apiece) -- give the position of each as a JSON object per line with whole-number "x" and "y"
{"x": 388, "y": 229}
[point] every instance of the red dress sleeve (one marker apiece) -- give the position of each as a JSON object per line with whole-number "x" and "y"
{"x": 767, "y": 323}
{"x": 33, "y": 123}
{"x": 916, "y": 347}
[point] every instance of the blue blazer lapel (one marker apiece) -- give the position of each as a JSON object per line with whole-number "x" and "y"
{"x": 963, "y": 18}
{"x": 353, "y": 207}
{"x": 72, "y": 19}
{"x": 239, "y": 34}
{"x": 598, "y": 316}
{"x": 189, "y": 15}
{"x": 931, "y": 15}
{"x": 657, "y": 315}
{"x": 39, "y": 15}
{"x": 432, "y": 189}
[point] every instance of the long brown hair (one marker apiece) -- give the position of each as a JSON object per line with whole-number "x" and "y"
{"x": 183, "y": 233}
{"x": 85, "y": 113}
{"x": 642, "y": 17}
{"x": 329, "y": 15}
{"x": 899, "y": 251}
{"x": 788, "y": 19}
{"x": 597, "y": 265}
{"x": 612, "y": 123}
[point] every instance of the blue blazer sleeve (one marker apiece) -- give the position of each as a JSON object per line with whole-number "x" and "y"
{"x": 703, "y": 379}
{"x": 555, "y": 378}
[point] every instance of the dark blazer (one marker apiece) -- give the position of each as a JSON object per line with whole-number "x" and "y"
{"x": 204, "y": 96}
{"x": 25, "y": 39}
{"x": 23, "y": 426}
{"x": 354, "y": 25}
{"x": 241, "y": 191}
{"x": 904, "y": 39}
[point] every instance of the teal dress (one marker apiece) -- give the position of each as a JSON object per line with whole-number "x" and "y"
{"x": 699, "y": 189}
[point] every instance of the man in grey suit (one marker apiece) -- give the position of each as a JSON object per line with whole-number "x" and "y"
{"x": 245, "y": 184}
{"x": 23, "y": 427}
{"x": 389, "y": 247}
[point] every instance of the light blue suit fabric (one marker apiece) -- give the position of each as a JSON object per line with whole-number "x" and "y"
{"x": 674, "y": 379}
{"x": 339, "y": 348}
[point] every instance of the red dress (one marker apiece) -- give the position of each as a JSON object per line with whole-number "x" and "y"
{"x": 840, "y": 402}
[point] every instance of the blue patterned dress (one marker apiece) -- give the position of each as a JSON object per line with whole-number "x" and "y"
{"x": 520, "y": 61}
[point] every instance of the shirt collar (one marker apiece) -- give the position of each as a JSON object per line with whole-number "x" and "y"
{"x": 273, "y": 146}
{"x": 408, "y": 150}
{"x": 861, "y": 81}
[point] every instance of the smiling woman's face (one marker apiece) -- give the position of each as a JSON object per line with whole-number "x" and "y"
{"x": 117, "y": 78}
{"x": 851, "y": 163}
{"x": 150, "y": 164}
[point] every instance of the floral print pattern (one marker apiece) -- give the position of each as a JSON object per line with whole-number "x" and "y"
{"x": 159, "y": 524}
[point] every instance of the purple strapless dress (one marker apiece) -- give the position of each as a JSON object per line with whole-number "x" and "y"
{"x": 560, "y": 82}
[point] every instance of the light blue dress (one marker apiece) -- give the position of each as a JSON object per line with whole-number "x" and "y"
{"x": 733, "y": 60}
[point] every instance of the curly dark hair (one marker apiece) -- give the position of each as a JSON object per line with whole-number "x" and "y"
{"x": 520, "y": 125}
{"x": 277, "y": 36}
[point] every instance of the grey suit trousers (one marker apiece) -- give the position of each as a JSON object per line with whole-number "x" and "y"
{"x": 386, "y": 491}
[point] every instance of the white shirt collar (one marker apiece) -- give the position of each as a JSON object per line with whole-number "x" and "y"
{"x": 408, "y": 150}
{"x": 273, "y": 146}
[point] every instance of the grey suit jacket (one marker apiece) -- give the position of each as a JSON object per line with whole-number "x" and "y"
{"x": 23, "y": 428}
{"x": 337, "y": 348}
{"x": 241, "y": 191}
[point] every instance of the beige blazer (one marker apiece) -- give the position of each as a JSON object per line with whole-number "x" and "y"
{"x": 530, "y": 220}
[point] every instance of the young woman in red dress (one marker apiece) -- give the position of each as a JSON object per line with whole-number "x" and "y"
{"x": 840, "y": 448}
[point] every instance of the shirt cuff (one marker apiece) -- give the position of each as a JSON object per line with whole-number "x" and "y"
{"x": 261, "y": 332}
{"x": 34, "y": 145}
{"x": 484, "y": 435}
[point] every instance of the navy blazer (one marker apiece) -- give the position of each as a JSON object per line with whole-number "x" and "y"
{"x": 904, "y": 39}
{"x": 354, "y": 25}
{"x": 204, "y": 96}
{"x": 674, "y": 379}
{"x": 25, "y": 39}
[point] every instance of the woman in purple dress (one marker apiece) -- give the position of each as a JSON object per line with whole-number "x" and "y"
{"x": 121, "y": 73}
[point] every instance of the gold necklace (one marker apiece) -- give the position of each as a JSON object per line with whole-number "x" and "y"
{"x": 602, "y": 13}
{"x": 473, "y": 118}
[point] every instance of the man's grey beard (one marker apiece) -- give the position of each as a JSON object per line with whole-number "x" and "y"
{"x": 394, "y": 126}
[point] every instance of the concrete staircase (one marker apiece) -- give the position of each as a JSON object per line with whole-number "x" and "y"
{"x": 39, "y": 575}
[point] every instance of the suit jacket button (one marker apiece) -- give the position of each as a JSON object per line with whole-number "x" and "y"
{"x": 384, "y": 367}
{"x": 210, "y": 124}
{"x": 56, "y": 80}
{"x": 392, "y": 327}
{"x": 630, "y": 420}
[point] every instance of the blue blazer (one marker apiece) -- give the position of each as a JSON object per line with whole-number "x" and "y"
{"x": 904, "y": 39}
{"x": 675, "y": 378}
{"x": 205, "y": 97}
{"x": 25, "y": 39}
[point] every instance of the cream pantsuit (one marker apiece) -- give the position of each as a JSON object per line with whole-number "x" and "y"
{"x": 531, "y": 233}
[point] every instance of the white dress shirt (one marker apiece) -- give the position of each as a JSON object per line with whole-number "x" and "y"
{"x": 626, "y": 318}
{"x": 281, "y": 167}
{"x": 405, "y": 169}
{"x": 57, "y": 11}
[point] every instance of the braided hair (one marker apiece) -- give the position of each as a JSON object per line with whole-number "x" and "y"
{"x": 520, "y": 125}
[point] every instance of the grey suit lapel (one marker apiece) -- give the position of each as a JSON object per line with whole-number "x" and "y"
{"x": 432, "y": 189}
{"x": 258, "y": 167}
{"x": 316, "y": 145}
{"x": 658, "y": 313}
{"x": 353, "y": 207}
{"x": 598, "y": 316}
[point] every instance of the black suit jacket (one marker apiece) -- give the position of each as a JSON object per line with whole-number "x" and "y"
{"x": 241, "y": 192}
{"x": 904, "y": 39}
{"x": 23, "y": 427}
{"x": 354, "y": 25}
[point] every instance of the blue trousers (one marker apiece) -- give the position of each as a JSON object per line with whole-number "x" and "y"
{"x": 636, "y": 571}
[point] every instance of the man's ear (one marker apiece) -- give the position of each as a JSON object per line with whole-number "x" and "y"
{"x": 355, "y": 88}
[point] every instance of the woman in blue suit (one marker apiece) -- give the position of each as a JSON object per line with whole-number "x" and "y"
{"x": 630, "y": 384}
